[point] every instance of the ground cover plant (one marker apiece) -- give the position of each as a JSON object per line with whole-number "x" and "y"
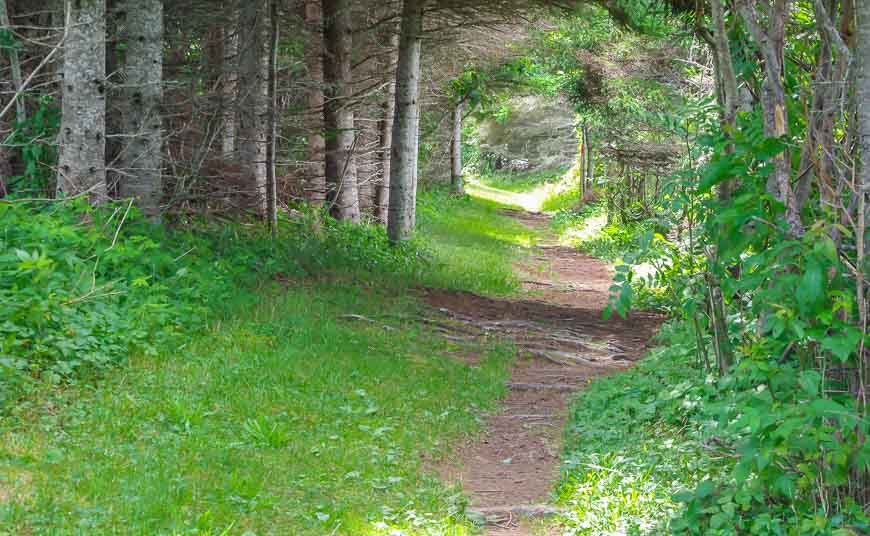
{"x": 252, "y": 403}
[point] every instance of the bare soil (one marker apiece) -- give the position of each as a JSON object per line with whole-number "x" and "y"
{"x": 509, "y": 471}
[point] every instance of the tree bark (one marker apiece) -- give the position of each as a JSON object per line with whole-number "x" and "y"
{"x": 862, "y": 98}
{"x": 389, "y": 107}
{"x": 141, "y": 157}
{"x": 341, "y": 175}
{"x": 315, "y": 171}
{"x": 14, "y": 65}
{"x": 272, "y": 119}
{"x": 82, "y": 159}
{"x": 770, "y": 43}
{"x": 727, "y": 84}
{"x": 229, "y": 83}
{"x": 252, "y": 100}
{"x": 456, "y": 180}
{"x": 403, "y": 180}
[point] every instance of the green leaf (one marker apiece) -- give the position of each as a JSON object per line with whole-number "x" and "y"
{"x": 810, "y": 381}
{"x": 809, "y": 291}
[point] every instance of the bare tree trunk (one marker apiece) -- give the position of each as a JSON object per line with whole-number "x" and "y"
{"x": 341, "y": 175}
{"x": 389, "y": 106}
{"x": 862, "y": 99}
{"x": 315, "y": 170}
{"x": 14, "y": 65}
{"x": 230, "y": 82}
{"x": 583, "y": 162}
{"x": 82, "y": 160}
{"x": 727, "y": 84}
{"x": 141, "y": 158}
{"x": 253, "y": 96}
{"x": 403, "y": 181}
{"x": 456, "y": 151}
{"x": 272, "y": 127}
{"x": 590, "y": 162}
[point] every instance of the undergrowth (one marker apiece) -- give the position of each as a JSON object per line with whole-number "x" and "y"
{"x": 206, "y": 380}
{"x": 770, "y": 447}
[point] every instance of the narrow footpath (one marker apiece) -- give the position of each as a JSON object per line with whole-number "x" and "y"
{"x": 509, "y": 471}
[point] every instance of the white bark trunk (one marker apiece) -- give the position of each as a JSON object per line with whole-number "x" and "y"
{"x": 141, "y": 157}
{"x": 403, "y": 180}
{"x": 82, "y": 159}
{"x": 252, "y": 100}
{"x": 272, "y": 121}
{"x": 341, "y": 174}
{"x": 456, "y": 151}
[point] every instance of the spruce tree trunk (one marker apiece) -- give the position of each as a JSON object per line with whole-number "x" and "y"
{"x": 272, "y": 122}
{"x": 141, "y": 157}
{"x": 403, "y": 180}
{"x": 82, "y": 159}
{"x": 341, "y": 173}
{"x": 14, "y": 65}
{"x": 456, "y": 151}
{"x": 315, "y": 170}
{"x": 252, "y": 100}
{"x": 229, "y": 84}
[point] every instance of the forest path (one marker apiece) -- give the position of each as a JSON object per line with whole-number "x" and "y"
{"x": 509, "y": 471}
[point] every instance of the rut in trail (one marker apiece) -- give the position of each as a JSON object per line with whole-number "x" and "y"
{"x": 509, "y": 472}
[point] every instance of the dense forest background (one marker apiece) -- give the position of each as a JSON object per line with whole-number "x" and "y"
{"x": 158, "y": 155}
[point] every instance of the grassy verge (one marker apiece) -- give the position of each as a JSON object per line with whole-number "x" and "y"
{"x": 278, "y": 416}
{"x": 630, "y": 449}
{"x": 628, "y": 452}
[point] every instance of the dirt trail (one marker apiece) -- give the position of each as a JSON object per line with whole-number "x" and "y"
{"x": 509, "y": 472}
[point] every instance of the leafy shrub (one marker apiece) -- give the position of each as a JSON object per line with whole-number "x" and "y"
{"x": 81, "y": 288}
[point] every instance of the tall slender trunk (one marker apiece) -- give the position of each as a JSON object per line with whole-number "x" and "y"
{"x": 14, "y": 65}
{"x": 315, "y": 171}
{"x": 253, "y": 98}
{"x": 82, "y": 159}
{"x": 590, "y": 162}
{"x": 341, "y": 173}
{"x": 862, "y": 99}
{"x": 582, "y": 162}
{"x": 141, "y": 157}
{"x": 272, "y": 119}
{"x": 456, "y": 151}
{"x": 727, "y": 86}
{"x": 230, "y": 82}
{"x": 389, "y": 110}
{"x": 403, "y": 180}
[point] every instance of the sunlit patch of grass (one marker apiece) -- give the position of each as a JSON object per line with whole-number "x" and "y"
{"x": 474, "y": 245}
{"x": 522, "y": 181}
{"x": 527, "y": 190}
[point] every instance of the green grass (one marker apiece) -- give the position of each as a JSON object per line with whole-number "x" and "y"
{"x": 472, "y": 244}
{"x": 565, "y": 198}
{"x": 627, "y": 453}
{"x": 284, "y": 417}
{"x": 522, "y": 181}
